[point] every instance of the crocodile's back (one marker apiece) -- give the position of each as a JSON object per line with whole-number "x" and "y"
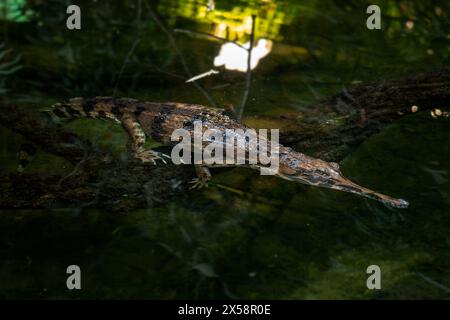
{"x": 157, "y": 120}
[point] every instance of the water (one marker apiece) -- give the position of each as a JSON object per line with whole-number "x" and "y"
{"x": 250, "y": 236}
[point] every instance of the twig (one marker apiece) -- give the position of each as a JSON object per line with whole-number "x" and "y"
{"x": 135, "y": 43}
{"x": 202, "y": 75}
{"x": 180, "y": 55}
{"x": 248, "y": 78}
{"x": 204, "y": 34}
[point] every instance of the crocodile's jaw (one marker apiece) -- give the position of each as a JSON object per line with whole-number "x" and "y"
{"x": 334, "y": 179}
{"x": 347, "y": 185}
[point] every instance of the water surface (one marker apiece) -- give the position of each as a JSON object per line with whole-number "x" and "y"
{"x": 248, "y": 236}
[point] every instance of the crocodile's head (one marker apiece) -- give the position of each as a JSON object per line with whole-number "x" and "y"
{"x": 300, "y": 168}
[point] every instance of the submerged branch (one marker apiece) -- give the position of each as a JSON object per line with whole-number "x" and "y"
{"x": 335, "y": 125}
{"x": 97, "y": 180}
{"x": 38, "y": 129}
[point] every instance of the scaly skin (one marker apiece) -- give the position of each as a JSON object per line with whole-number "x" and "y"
{"x": 159, "y": 120}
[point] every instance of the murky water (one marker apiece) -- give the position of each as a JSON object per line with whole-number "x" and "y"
{"x": 249, "y": 236}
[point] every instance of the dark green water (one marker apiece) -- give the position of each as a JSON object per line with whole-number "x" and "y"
{"x": 277, "y": 239}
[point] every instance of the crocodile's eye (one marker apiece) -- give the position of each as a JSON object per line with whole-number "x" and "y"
{"x": 335, "y": 166}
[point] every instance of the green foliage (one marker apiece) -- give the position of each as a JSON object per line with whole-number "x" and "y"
{"x": 14, "y": 10}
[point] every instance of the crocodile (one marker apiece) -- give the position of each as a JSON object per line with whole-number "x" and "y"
{"x": 142, "y": 119}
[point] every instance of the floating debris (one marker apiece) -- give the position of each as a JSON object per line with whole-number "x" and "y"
{"x": 437, "y": 113}
{"x": 409, "y": 24}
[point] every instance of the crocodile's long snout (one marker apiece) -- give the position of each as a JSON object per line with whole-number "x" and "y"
{"x": 344, "y": 184}
{"x": 298, "y": 167}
